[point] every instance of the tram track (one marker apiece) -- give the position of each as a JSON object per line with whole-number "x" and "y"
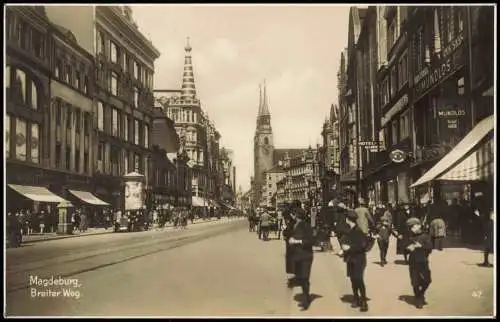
{"x": 19, "y": 280}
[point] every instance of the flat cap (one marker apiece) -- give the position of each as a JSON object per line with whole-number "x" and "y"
{"x": 413, "y": 221}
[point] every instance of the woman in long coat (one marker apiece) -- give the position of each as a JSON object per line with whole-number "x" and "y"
{"x": 301, "y": 241}
{"x": 287, "y": 233}
{"x": 401, "y": 230}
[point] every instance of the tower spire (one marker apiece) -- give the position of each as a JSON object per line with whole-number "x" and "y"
{"x": 188, "y": 89}
{"x": 264, "y": 107}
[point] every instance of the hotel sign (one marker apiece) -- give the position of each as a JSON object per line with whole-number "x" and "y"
{"x": 453, "y": 59}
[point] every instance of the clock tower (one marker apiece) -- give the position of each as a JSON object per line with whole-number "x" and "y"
{"x": 263, "y": 146}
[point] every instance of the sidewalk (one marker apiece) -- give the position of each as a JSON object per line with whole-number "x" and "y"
{"x": 27, "y": 239}
{"x": 459, "y": 287}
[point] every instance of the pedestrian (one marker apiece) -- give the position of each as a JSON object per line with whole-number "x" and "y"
{"x": 341, "y": 226}
{"x": 384, "y": 232}
{"x": 42, "y": 221}
{"x": 387, "y": 215}
{"x": 265, "y": 223}
{"x": 287, "y": 234}
{"x": 488, "y": 228}
{"x": 354, "y": 244}
{"x": 301, "y": 242}
{"x": 437, "y": 231}
{"x": 419, "y": 248}
{"x": 401, "y": 231}
{"x": 365, "y": 219}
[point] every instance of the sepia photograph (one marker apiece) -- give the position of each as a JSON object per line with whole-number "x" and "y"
{"x": 249, "y": 160}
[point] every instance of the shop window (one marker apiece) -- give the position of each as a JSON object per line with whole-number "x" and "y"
{"x": 21, "y": 134}
{"x": 35, "y": 143}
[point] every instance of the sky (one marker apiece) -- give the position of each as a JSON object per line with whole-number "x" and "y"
{"x": 296, "y": 49}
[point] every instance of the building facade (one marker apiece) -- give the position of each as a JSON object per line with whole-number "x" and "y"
{"x": 329, "y": 156}
{"x": 301, "y": 179}
{"x": 123, "y": 97}
{"x": 273, "y": 176}
{"x": 197, "y": 132}
{"x": 27, "y": 87}
{"x": 419, "y": 75}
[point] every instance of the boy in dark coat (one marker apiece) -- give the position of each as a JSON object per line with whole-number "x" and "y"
{"x": 301, "y": 242}
{"x": 419, "y": 247}
{"x": 384, "y": 232}
{"x": 354, "y": 244}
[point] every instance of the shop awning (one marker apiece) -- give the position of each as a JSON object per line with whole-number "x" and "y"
{"x": 40, "y": 194}
{"x": 89, "y": 198}
{"x": 489, "y": 92}
{"x": 198, "y": 202}
{"x": 477, "y": 166}
{"x": 461, "y": 150}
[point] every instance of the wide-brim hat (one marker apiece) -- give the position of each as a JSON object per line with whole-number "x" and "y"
{"x": 413, "y": 221}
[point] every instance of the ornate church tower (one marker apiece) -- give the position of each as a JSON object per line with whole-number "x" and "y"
{"x": 263, "y": 145}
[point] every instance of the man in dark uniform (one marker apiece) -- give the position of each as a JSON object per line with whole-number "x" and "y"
{"x": 354, "y": 244}
{"x": 419, "y": 247}
{"x": 287, "y": 233}
{"x": 301, "y": 243}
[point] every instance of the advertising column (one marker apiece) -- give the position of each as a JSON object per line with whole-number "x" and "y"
{"x": 134, "y": 191}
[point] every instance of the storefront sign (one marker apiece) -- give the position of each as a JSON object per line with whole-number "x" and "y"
{"x": 453, "y": 58}
{"x": 451, "y": 113}
{"x": 400, "y": 104}
{"x": 397, "y": 156}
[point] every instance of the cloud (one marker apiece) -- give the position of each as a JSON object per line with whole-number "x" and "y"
{"x": 225, "y": 50}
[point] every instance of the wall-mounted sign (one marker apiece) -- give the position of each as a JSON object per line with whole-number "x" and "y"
{"x": 398, "y": 106}
{"x": 397, "y": 156}
{"x": 453, "y": 60}
{"x": 451, "y": 113}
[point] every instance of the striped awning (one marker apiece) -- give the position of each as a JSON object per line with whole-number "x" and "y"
{"x": 88, "y": 197}
{"x": 40, "y": 194}
{"x": 477, "y": 166}
{"x": 461, "y": 150}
